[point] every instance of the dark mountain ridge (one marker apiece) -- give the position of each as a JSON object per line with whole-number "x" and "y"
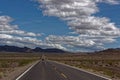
{"x": 7, "y": 48}
{"x": 109, "y": 51}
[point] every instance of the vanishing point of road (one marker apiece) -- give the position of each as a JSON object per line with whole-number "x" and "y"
{"x": 49, "y": 70}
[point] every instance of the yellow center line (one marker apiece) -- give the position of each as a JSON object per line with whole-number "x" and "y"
{"x": 62, "y": 74}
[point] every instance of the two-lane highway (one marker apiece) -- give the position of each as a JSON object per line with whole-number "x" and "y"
{"x": 42, "y": 71}
{"x": 49, "y": 70}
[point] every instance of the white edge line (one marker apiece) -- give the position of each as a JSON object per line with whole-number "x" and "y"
{"x": 26, "y": 71}
{"x": 82, "y": 70}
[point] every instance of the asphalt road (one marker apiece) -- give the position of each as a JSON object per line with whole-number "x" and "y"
{"x": 48, "y": 70}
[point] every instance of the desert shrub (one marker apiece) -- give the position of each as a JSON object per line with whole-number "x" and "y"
{"x": 24, "y": 62}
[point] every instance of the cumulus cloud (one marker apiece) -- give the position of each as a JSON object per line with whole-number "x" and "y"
{"x": 73, "y": 42}
{"x": 109, "y": 1}
{"x": 18, "y": 41}
{"x": 93, "y": 32}
{"x": 12, "y": 35}
{"x": 7, "y": 28}
{"x": 94, "y": 26}
{"x": 79, "y": 16}
{"x": 78, "y": 13}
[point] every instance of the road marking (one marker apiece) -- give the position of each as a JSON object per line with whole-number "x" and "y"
{"x": 73, "y": 67}
{"x": 62, "y": 74}
{"x": 25, "y": 71}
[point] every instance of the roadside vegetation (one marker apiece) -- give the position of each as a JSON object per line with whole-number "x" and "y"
{"x": 99, "y": 63}
{"x": 10, "y": 61}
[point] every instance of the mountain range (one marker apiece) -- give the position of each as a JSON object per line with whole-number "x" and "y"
{"x": 7, "y": 48}
{"x": 110, "y": 51}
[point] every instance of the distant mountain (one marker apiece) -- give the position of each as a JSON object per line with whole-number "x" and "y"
{"x": 38, "y": 49}
{"x": 53, "y": 50}
{"x": 110, "y": 51}
{"x": 7, "y": 48}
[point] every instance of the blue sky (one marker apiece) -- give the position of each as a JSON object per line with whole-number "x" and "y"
{"x": 29, "y": 17}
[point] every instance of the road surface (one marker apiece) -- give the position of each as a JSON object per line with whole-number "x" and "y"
{"x": 49, "y": 70}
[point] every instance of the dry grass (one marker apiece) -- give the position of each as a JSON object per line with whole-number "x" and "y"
{"x": 10, "y": 61}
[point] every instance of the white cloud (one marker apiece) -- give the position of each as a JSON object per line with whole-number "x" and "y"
{"x": 7, "y": 28}
{"x": 73, "y": 42}
{"x": 109, "y": 1}
{"x": 12, "y": 35}
{"x": 94, "y": 26}
{"x": 9, "y": 39}
{"x": 95, "y": 31}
